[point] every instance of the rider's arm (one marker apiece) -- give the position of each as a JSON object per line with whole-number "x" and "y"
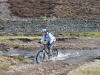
{"x": 42, "y": 39}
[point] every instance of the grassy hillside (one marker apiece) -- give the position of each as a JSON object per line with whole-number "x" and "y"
{"x": 70, "y": 9}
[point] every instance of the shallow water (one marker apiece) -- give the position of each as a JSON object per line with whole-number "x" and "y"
{"x": 73, "y": 56}
{"x": 19, "y": 52}
{"x": 76, "y": 56}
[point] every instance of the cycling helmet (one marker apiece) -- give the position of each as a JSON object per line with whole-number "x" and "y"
{"x": 44, "y": 30}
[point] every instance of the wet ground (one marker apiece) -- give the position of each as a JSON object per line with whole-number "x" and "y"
{"x": 72, "y": 53}
{"x": 70, "y": 56}
{"x": 66, "y": 61}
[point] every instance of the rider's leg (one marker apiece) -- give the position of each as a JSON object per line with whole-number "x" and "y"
{"x": 50, "y": 48}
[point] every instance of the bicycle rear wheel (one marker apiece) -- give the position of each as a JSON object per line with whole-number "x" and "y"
{"x": 41, "y": 56}
{"x": 55, "y": 52}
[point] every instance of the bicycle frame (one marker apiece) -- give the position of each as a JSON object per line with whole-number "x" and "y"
{"x": 44, "y": 52}
{"x": 45, "y": 46}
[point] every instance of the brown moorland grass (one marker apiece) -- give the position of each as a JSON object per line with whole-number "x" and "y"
{"x": 92, "y": 68}
{"x": 70, "y": 9}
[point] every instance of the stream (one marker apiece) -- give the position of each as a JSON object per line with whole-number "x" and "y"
{"x": 71, "y": 56}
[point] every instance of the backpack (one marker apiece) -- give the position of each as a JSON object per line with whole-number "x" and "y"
{"x": 52, "y": 33}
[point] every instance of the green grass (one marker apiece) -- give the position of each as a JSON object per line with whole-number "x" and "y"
{"x": 79, "y": 34}
{"x": 58, "y": 34}
{"x": 90, "y": 34}
{"x": 2, "y": 38}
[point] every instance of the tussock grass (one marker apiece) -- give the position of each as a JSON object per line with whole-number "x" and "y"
{"x": 92, "y": 68}
{"x": 6, "y": 61}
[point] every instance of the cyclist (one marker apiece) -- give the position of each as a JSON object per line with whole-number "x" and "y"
{"x": 50, "y": 40}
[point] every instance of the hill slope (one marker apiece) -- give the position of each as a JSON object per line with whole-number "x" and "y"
{"x": 70, "y": 9}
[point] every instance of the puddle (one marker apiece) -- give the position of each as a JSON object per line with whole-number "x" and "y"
{"x": 19, "y": 52}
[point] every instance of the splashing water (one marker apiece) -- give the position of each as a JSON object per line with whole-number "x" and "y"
{"x": 62, "y": 56}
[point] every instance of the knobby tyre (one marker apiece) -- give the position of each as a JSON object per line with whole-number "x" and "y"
{"x": 41, "y": 56}
{"x": 55, "y": 52}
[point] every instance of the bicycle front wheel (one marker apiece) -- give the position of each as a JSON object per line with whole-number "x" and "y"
{"x": 41, "y": 56}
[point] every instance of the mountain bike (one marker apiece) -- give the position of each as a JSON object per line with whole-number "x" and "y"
{"x": 44, "y": 54}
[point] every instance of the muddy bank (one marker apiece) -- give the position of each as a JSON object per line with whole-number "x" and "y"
{"x": 7, "y": 61}
{"x": 79, "y": 44}
{"x": 51, "y": 68}
{"x": 48, "y": 68}
{"x": 61, "y": 43}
